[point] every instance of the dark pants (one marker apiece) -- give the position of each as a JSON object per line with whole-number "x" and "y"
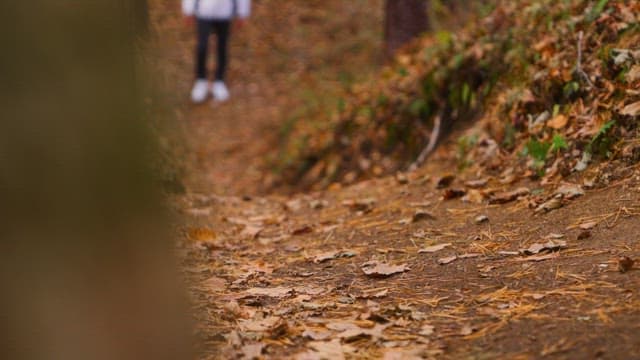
{"x": 205, "y": 28}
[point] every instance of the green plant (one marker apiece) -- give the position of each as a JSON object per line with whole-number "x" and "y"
{"x": 538, "y": 151}
{"x": 597, "y": 9}
{"x": 558, "y": 143}
{"x": 601, "y": 142}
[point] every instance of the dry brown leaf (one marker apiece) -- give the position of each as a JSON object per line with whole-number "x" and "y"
{"x": 358, "y": 332}
{"x": 251, "y": 231}
{"x": 570, "y": 191}
{"x": 476, "y": 184}
{"x": 453, "y": 193}
{"x": 305, "y": 229}
{"x": 558, "y": 122}
{"x": 447, "y": 260}
{"x": 275, "y": 292}
{"x": 427, "y": 330}
{"x": 551, "y": 245}
{"x": 216, "y": 284}
{"x": 536, "y": 258}
{"x": 588, "y": 225}
{"x": 632, "y": 109}
{"x": 326, "y": 350}
{"x": 549, "y": 205}
{"x": 422, "y": 215}
{"x": 332, "y": 255}
{"x": 376, "y": 269}
{"x": 252, "y": 351}
{"x": 445, "y": 181}
{"x": 506, "y": 197}
{"x": 433, "y": 248}
{"x": 625, "y": 264}
{"x": 259, "y": 325}
{"x": 481, "y": 219}
{"x": 317, "y": 335}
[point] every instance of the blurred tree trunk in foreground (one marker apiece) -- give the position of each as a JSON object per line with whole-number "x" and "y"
{"x": 404, "y": 20}
{"x": 86, "y": 266}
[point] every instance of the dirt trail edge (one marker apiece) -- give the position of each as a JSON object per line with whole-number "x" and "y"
{"x": 391, "y": 269}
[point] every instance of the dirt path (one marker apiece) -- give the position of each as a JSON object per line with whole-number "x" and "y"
{"x": 385, "y": 268}
{"x": 287, "y": 277}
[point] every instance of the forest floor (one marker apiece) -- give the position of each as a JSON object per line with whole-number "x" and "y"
{"x": 393, "y": 268}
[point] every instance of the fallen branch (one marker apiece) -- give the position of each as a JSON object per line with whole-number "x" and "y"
{"x": 433, "y": 140}
{"x": 578, "y": 69}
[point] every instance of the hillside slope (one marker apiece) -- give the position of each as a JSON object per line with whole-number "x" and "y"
{"x": 544, "y": 88}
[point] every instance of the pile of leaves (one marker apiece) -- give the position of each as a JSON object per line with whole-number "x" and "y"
{"x": 551, "y": 86}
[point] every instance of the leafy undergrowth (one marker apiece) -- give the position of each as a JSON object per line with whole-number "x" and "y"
{"x": 551, "y": 86}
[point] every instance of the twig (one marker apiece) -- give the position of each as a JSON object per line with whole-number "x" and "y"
{"x": 578, "y": 68}
{"x": 433, "y": 140}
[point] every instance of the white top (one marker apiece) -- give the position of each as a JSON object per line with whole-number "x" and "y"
{"x": 217, "y": 9}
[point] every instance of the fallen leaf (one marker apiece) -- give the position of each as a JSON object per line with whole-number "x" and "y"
{"x": 317, "y": 335}
{"x": 374, "y": 268}
{"x": 252, "y": 351}
{"x": 469, "y": 256}
{"x": 536, "y": 258}
{"x": 584, "y": 235}
{"x": 632, "y": 109}
{"x": 447, "y": 260}
{"x": 467, "y": 330}
{"x": 201, "y": 234}
{"x": 372, "y": 294}
{"x": 293, "y": 205}
{"x": 625, "y": 264}
{"x": 326, "y": 350}
{"x": 506, "y": 197}
{"x": 551, "y": 245}
{"x": 588, "y": 225}
{"x": 633, "y": 74}
{"x": 358, "y": 332}
{"x": 318, "y": 204}
{"x": 306, "y": 229}
{"x": 433, "y": 248}
{"x": 259, "y": 325}
{"x": 570, "y": 191}
{"x": 481, "y": 219}
{"x": 549, "y": 205}
{"x": 537, "y": 296}
{"x": 275, "y": 292}
{"x": 453, "y": 193}
{"x": 402, "y": 178}
{"x": 558, "y": 122}
{"x": 554, "y": 236}
{"x": 584, "y": 162}
{"x": 445, "y": 181}
{"x": 474, "y": 197}
{"x": 422, "y": 215}
{"x": 215, "y": 283}
{"x": 427, "y": 330}
{"x": 364, "y": 205}
{"x": 251, "y": 231}
{"x": 476, "y": 184}
{"x": 331, "y": 255}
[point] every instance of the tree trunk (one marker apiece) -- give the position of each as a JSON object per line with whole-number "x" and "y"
{"x": 404, "y": 20}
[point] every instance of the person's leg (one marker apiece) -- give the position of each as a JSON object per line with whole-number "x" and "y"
{"x": 222, "y": 29}
{"x": 202, "y": 49}
{"x": 219, "y": 89}
{"x": 201, "y": 86}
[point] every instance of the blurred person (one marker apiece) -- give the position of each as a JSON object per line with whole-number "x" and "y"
{"x": 213, "y": 16}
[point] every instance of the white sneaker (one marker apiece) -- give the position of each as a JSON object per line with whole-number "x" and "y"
{"x": 200, "y": 91}
{"x": 220, "y": 91}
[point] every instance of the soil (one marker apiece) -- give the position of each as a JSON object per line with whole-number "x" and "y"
{"x": 275, "y": 276}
